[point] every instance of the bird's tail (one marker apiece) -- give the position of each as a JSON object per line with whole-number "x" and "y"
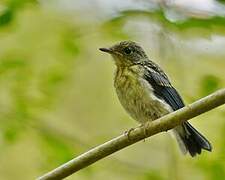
{"x": 189, "y": 139}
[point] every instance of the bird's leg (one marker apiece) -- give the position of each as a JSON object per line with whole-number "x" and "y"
{"x": 127, "y": 133}
{"x": 144, "y": 128}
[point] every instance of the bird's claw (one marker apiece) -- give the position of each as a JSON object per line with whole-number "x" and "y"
{"x": 144, "y": 129}
{"x": 127, "y": 133}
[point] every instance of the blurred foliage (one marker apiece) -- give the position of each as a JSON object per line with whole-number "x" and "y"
{"x": 210, "y": 84}
{"x": 10, "y": 8}
{"x": 180, "y": 27}
{"x": 6, "y": 17}
{"x": 57, "y": 98}
{"x": 33, "y": 68}
{"x": 55, "y": 147}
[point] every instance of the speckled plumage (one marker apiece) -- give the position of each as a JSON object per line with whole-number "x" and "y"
{"x": 136, "y": 95}
{"x": 146, "y": 93}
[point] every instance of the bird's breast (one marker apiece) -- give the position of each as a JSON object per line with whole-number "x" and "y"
{"x": 137, "y": 97}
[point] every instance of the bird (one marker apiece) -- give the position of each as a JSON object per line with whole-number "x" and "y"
{"x": 146, "y": 93}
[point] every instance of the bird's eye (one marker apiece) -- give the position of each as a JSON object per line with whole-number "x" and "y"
{"x": 127, "y": 50}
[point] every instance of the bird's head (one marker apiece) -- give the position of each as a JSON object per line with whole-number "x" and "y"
{"x": 126, "y": 53}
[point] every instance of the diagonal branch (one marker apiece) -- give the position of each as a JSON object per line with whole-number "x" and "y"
{"x": 151, "y": 128}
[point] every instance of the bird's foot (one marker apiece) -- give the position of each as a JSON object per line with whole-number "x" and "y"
{"x": 127, "y": 133}
{"x": 144, "y": 126}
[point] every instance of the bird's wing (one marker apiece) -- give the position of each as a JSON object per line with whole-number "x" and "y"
{"x": 162, "y": 87}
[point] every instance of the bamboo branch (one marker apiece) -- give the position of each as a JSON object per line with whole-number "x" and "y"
{"x": 151, "y": 128}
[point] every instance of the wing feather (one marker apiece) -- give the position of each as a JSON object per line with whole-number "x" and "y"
{"x": 162, "y": 88}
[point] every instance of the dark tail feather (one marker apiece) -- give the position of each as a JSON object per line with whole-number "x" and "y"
{"x": 193, "y": 141}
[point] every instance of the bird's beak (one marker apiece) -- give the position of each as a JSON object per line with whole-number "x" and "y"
{"x": 107, "y": 50}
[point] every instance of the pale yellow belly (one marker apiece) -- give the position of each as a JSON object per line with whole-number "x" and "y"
{"x": 137, "y": 98}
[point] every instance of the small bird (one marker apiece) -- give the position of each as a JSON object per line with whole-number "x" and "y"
{"x": 146, "y": 93}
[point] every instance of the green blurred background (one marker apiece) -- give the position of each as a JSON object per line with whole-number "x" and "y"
{"x": 56, "y": 89}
